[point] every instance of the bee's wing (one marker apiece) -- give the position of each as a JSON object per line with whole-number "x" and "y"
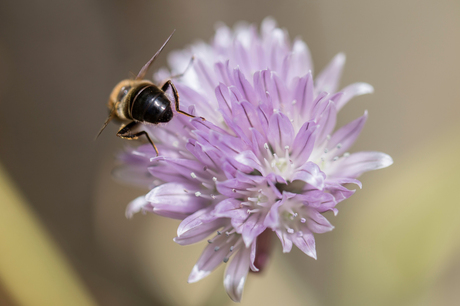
{"x": 146, "y": 67}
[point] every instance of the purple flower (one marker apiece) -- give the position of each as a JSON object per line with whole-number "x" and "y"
{"x": 266, "y": 159}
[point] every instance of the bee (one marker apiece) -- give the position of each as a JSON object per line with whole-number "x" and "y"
{"x": 140, "y": 101}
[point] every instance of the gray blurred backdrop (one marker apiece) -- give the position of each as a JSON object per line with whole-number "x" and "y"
{"x": 59, "y": 61}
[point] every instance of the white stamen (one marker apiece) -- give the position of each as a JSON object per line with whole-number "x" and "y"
{"x": 290, "y": 231}
{"x": 335, "y": 158}
{"x": 197, "y": 193}
{"x": 214, "y": 179}
{"x": 286, "y": 147}
{"x": 339, "y": 146}
{"x": 216, "y": 249}
{"x": 303, "y": 220}
{"x": 193, "y": 175}
{"x": 266, "y": 146}
{"x": 175, "y": 143}
{"x": 346, "y": 154}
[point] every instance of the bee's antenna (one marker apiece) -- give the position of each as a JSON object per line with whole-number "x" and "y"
{"x": 146, "y": 67}
{"x": 112, "y": 113}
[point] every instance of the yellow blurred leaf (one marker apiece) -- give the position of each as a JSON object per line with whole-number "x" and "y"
{"x": 406, "y": 229}
{"x": 32, "y": 268}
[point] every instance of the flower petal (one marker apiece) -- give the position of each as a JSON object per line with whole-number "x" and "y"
{"x": 305, "y": 242}
{"x": 252, "y": 227}
{"x": 236, "y": 274}
{"x": 352, "y": 91}
{"x": 344, "y": 137}
{"x": 135, "y": 206}
{"x": 311, "y": 174}
{"x": 280, "y": 132}
{"x": 358, "y": 163}
{"x": 328, "y": 79}
{"x": 303, "y": 143}
{"x": 174, "y": 197}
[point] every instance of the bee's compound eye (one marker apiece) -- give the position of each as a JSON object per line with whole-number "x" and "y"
{"x": 123, "y": 92}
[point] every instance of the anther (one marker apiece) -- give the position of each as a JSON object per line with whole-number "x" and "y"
{"x": 290, "y": 231}
{"x": 197, "y": 193}
{"x": 339, "y": 146}
{"x": 205, "y": 168}
{"x": 300, "y": 233}
{"x": 225, "y": 260}
{"x": 266, "y": 146}
{"x": 193, "y": 175}
{"x": 231, "y": 248}
{"x": 213, "y": 196}
{"x": 234, "y": 190}
{"x": 286, "y": 147}
{"x": 216, "y": 249}
{"x": 294, "y": 102}
{"x": 219, "y": 233}
{"x": 209, "y": 241}
{"x": 303, "y": 220}
{"x": 214, "y": 179}
{"x": 328, "y": 137}
{"x": 335, "y": 158}
{"x": 346, "y": 154}
{"x": 326, "y": 150}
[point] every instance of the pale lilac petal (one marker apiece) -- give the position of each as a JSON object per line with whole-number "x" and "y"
{"x": 272, "y": 218}
{"x": 358, "y": 163}
{"x": 135, "y": 206}
{"x": 202, "y": 216}
{"x": 253, "y": 256}
{"x": 200, "y": 232}
{"x": 317, "y": 223}
{"x": 212, "y": 256}
{"x": 244, "y": 87}
{"x": 305, "y": 242}
{"x": 300, "y": 59}
{"x": 248, "y": 158}
{"x": 352, "y": 91}
{"x": 286, "y": 242}
{"x": 326, "y": 122}
{"x": 281, "y": 132}
{"x": 252, "y": 227}
{"x": 303, "y": 143}
{"x": 174, "y": 197}
{"x": 230, "y": 208}
{"x": 311, "y": 174}
{"x": 344, "y": 138}
{"x": 304, "y": 96}
{"x": 224, "y": 99}
{"x": 328, "y": 79}
{"x": 236, "y": 274}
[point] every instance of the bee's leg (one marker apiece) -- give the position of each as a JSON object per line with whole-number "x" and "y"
{"x": 126, "y": 132}
{"x": 176, "y": 98}
{"x": 186, "y": 69}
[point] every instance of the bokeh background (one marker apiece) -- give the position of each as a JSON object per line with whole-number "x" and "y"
{"x": 63, "y": 233}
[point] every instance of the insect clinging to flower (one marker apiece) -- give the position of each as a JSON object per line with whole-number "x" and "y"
{"x": 140, "y": 102}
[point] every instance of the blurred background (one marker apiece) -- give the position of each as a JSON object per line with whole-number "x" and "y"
{"x": 396, "y": 242}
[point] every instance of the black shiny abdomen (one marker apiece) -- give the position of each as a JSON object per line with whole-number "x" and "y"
{"x": 149, "y": 104}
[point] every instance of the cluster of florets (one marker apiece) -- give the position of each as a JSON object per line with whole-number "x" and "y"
{"x": 266, "y": 159}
